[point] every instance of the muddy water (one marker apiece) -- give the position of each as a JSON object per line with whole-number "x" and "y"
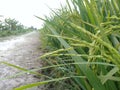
{"x": 22, "y": 51}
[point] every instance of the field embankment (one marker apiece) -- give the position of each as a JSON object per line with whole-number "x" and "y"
{"x": 21, "y": 51}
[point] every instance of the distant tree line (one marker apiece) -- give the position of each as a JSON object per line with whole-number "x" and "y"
{"x": 12, "y": 24}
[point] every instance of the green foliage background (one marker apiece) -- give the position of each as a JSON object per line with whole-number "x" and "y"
{"x": 12, "y": 27}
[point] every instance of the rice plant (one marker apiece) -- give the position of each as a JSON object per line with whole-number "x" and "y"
{"x": 88, "y": 33}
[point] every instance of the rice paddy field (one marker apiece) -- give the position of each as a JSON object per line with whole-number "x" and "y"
{"x": 81, "y": 45}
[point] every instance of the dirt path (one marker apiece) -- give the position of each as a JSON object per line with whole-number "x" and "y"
{"x": 22, "y": 51}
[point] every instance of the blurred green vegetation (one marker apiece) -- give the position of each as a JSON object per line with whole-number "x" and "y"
{"x": 12, "y": 27}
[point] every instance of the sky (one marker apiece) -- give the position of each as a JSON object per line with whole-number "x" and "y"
{"x": 24, "y": 10}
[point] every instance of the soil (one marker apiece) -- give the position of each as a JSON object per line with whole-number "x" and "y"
{"x": 22, "y": 51}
